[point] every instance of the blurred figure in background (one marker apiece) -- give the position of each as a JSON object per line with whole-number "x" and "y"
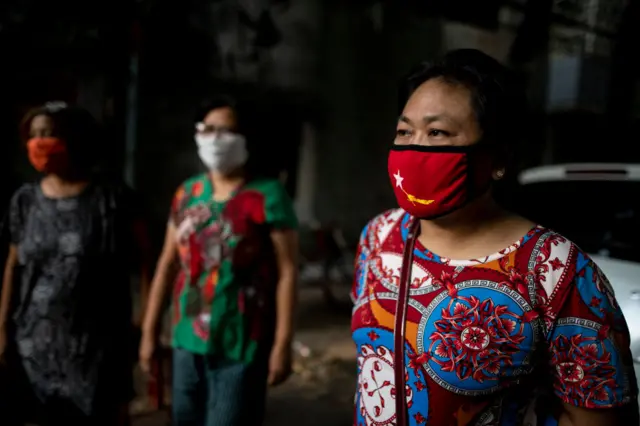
{"x": 466, "y": 313}
{"x": 233, "y": 240}
{"x": 65, "y": 313}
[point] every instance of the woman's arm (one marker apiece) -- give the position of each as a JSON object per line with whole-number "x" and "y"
{"x": 590, "y": 361}
{"x": 576, "y": 416}
{"x": 165, "y": 272}
{"x": 285, "y": 243}
{"x": 7, "y": 295}
{"x": 143, "y": 246}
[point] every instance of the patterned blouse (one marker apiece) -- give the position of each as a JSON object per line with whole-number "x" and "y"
{"x": 224, "y": 296}
{"x": 73, "y": 315}
{"x": 488, "y": 341}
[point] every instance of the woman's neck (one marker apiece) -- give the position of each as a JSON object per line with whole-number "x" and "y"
{"x": 465, "y": 222}
{"x": 55, "y": 186}
{"x": 479, "y": 229}
{"x": 224, "y": 185}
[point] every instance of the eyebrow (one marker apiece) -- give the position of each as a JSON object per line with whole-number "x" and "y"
{"x": 427, "y": 118}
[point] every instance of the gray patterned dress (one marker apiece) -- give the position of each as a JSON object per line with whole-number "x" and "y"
{"x": 72, "y": 322}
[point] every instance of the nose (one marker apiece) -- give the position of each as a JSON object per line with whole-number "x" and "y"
{"x": 419, "y": 138}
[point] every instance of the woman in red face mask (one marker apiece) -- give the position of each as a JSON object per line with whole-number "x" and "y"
{"x": 466, "y": 314}
{"x": 65, "y": 312}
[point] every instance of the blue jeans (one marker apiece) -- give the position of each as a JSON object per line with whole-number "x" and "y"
{"x": 210, "y": 391}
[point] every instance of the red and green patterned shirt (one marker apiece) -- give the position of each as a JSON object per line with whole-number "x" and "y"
{"x": 224, "y": 296}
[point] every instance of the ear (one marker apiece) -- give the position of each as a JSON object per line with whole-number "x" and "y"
{"x": 502, "y": 162}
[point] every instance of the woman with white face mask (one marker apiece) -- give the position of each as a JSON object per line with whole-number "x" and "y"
{"x": 233, "y": 240}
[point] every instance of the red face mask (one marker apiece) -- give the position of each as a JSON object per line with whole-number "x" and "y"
{"x": 48, "y": 155}
{"x": 432, "y": 181}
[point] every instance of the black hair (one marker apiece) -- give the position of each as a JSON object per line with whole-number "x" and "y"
{"x": 221, "y": 101}
{"x": 75, "y": 125}
{"x": 499, "y": 101}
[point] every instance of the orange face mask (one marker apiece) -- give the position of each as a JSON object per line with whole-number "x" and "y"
{"x": 48, "y": 155}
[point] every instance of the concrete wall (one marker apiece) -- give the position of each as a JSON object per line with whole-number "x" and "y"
{"x": 341, "y": 63}
{"x": 280, "y": 80}
{"x": 337, "y": 67}
{"x": 363, "y": 64}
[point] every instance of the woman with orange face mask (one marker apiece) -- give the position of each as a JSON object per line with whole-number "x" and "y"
{"x": 65, "y": 312}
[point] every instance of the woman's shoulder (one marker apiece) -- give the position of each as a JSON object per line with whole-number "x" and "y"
{"x": 548, "y": 241}
{"x": 193, "y": 181}
{"x": 25, "y": 193}
{"x": 272, "y": 191}
{"x": 190, "y": 188}
{"x": 265, "y": 185}
{"x": 554, "y": 259}
{"x": 113, "y": 189}
{"x": 381, "y": 226}
{"x": 391, "y": 216}
{"x": 26, "y": 188}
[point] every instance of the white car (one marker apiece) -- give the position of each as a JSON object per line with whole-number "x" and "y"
{"x": 597, "y": 206}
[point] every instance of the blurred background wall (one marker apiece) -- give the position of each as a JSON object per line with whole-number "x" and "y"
{"x": 322, "y": 77}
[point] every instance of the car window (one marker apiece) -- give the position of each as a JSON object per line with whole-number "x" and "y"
{"x": 602, "y": 217}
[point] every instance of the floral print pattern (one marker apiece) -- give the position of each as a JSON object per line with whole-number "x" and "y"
{"x": 487, "y": 338}
{"x": 224, "y": 292}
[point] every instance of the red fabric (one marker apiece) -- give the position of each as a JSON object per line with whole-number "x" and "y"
{"x": 430, "y": 184}
{"x": 245, "y": 208}
{"x": 48, "y": 155}
{"x": 484, "y": 336}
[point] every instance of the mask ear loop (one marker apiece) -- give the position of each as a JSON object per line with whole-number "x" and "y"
{"x": 400, "y": 325}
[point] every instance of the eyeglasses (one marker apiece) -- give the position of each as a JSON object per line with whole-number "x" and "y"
{"x": 210, "y": 128}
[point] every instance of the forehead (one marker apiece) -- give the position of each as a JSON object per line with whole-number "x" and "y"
{"x": 41, "y": 121}
{"x": 220, "y": 116}
{"x": 437, "y": 97}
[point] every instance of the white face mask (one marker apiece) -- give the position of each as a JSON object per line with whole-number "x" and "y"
{"x": 222, "y": 152}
